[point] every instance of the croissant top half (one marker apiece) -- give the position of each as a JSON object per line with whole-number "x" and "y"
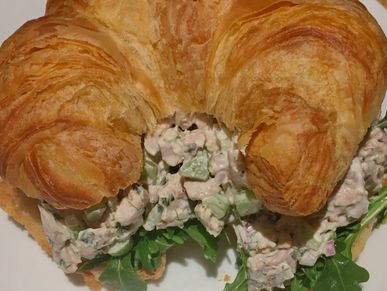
{"x": 300, "y": 80}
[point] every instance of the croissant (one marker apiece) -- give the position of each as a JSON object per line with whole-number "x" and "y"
{"x": 301, "y": 81}
{"x": 383, "y": 2}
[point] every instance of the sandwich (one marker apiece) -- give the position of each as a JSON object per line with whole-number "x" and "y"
{"x": 131, "y": 126}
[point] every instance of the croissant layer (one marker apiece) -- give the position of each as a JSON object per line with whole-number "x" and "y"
{"x": 301, "y": 81}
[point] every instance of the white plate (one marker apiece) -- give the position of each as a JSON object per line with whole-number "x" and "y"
{"x": 24, "y": 266}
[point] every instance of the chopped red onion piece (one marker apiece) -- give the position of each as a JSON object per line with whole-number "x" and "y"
{"x": 330, "y": 248}
{"x": 248, "y": 226}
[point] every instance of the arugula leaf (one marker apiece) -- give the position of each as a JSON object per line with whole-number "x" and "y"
{"x": 240, "y": 282}
{"x": 176, "y": 235}
{"x": 338, "y": 273}
{"x": 383, "y": 122}
{"x": 93, "y": 262}
{"x": 341, "y": 274}
{"x": 198, "y": 233}
{"x": 313, "y": 273}
{"x": 305, "y": 276}
{"x": 297, "y": 285}
{"x": 378, "y": 205}
{"x": 345, "y": 239}
{"x": 161, "y": 243}
{"x": 382, "y": 219}
{"x": 144, "y": 255}
{"x": 120, "y": 274}
{"x": 150, "y": 246}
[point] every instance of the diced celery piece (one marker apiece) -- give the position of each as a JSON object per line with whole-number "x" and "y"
{"x": 150, "y": 169}
{"x": 313, "y": 244}
{"x": 246, "y": 203}
{"x": 95, "y": 213}
{"x": 223, "y": 139}
{"x": 120, "y": 248}
{"x": 197, "y": 167}
{"x": 218, "y": 204}
{"x": 154, "y": 217}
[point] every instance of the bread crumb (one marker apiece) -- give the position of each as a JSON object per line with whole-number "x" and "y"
{"x": 226, "y": 278}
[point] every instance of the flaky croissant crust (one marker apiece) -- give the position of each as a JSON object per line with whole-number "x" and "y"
{"x": 301, "y": 81}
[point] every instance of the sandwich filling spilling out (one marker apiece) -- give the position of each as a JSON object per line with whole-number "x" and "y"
{"x": 194, "y": 171}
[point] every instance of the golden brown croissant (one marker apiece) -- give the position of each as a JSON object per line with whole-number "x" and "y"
{"x": 300, "y": 80}
{"x": 384, "y": 3}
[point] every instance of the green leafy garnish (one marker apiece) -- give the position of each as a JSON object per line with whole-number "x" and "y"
{"x": 306, "y": 276}
{"x": 150, "y": 246}
{"x": 341, "y": 273}
{"x": 93, "y": 262}
{"x": 383, "y": 122}
{"x": 198, "y": 233}
{"x": 297, "y": 285}
{"x": 240, "y": 282}
{"x": 121, "y": 275}
{"x": 377, "y": 208}
{"x": 382, "y": 219}
{"x": 337, "y": 273}
{"x": 144, "y": 255}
